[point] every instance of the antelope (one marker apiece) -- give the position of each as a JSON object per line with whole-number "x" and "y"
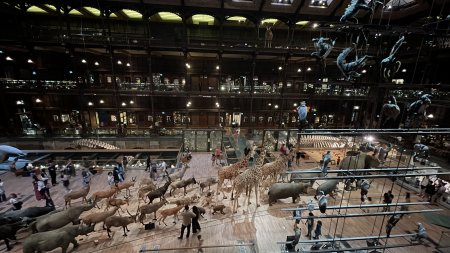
{"x": 169, "y": 212}
{"x": 76, "y": 195}
{"x": 159, "y": 193}
{"x": 182, "y": 184}
{"x": 144, "y": 190}
{"x": 150, "y": 208}
{"x": 209, "y": 181}
{"x": 103, "y": 194}
{"x": 117, "y": 203}
{"x": 118, "y": 221}
{"x": 99, "y": 217}
{"x": 146, "y": 181}
{"x": 127, "y": 186}
{"x": 185, "y": 201}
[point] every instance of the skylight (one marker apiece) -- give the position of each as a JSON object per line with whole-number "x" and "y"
{"x": 398, "y": 4}
{"x": 302, "y": 22}
{"x": 282, "y": 2}
{"x": 320, "y": 3}
{"x": 35, "y": 9}
{"x": 237, "y": 18}
{"x": 94, "y": 11}
{"x": 169, "y": 16}
{"x": 113, "y": 15}
{"x": 132, "y": 14}
{"x": 51, "y": 7}
{"x": 202, "y": 19}
{"x": 269, "y": 21}
{"x": 75, "y": 12}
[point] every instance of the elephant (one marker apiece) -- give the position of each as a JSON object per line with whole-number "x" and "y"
{"x": 59, "y": 219}
{"x": 31, "y": 212}
{"x": 50, "y": 240}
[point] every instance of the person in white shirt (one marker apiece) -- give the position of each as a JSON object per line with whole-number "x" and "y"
{"x": 15, "y": 202}
{"x": 2, "y": 192}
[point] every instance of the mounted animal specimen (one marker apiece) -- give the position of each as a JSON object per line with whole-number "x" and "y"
{"x": 350, "y": 70}
{"x": 149, "y": 209}
{"x": 159, "y": 193}
{"x": 76, "y": 195}
{"x": 95, "y": 218}
{"x": 390, "y": 65}
{"x": 355, "y": 6}
{"x": 127, "y": 186}
{"x": 59, "y": 238}
{"x": 207, "y": 183}
{"x": 389, "y": 112}
{"x": 323, "y": 48}
{"x": 275, "y": 168}
{"x": 8, "y": 231}
{"x": 286, "y": 190}
{"x": 417, "y": 111}
{"x": 96, "y": 196}
{"x": 179, "y": 174}
{"x": 142, "y": 192}
{"x": 117, "y": 203}
{"x": 170, "y": 212}
{"x": 118, "y": 221}
{"x": 230, "y": 172}
{"x": 185, "y": 201}
{"x": 182, "y": 184}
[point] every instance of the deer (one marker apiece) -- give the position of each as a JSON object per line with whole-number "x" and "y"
{"x": 117, "y": 203}
{"x": 127, "y": 186}
{"x": 182, "y": 184}
{"x": 95, "y": 218}
{"x": 150, "y": 208}
{"x": 142, "y": 192}
{"x": 169, "y": 212}
{"x": 159, "y": 193}
{"x": 180, "y": 174}
{"x": 146, "y": 181}
{"x": 185, "y": 201}
{"x": 208, "y": 182}
{"x": 103, "y": 194}
{"x": 119, "y": 221}
{"x": 76, "y": 195}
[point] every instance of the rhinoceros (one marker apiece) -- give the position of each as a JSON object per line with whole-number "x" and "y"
{"x": 50, "y": 240}
{"x": 286, "y": 190}
{"x": 30, "y": 212}
{"x": 361, "y": 161}
{"x": 59, "y": 219}
{"x": 328, "y": 187}
{"x": 9, "y": 231}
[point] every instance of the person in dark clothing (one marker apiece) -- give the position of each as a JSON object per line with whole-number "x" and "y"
{"x": 391, "y": 223}
{"x": 246, "y": 151}
{"x": 429, "y": 191}
{"x": 52, "y": 172}
{"x": 387, "y": 199}
{"x": 310, "y": 223}
{"x": 148, "y": 163}
{"x": 116, "y": 175}
{"x": 195, "y": 224}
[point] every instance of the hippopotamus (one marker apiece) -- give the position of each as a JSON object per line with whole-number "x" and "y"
{"x": 286, "y": 190}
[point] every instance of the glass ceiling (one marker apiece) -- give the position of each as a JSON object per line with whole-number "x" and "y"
{"x": 282, "y": 2}
{"x": 202, "y": 19}
{"x": 320, "y": 3}
{"x": 399, "y": 4}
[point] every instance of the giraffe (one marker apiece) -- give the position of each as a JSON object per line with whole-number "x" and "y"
{"x": 230, "y": 172}
{"x": 276, "y": 167}
{"x": 248, "y": 179}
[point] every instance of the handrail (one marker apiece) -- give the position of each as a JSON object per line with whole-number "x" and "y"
{"x": 203, "y": 246}
{"x": 353, "y": 215}
{"x": 359, "y": 238}
{"x": 363, "y": 248}
{"x": 374, "y": 176}
{"x": 360, "y": 206}
{"x": 360, "y": 170}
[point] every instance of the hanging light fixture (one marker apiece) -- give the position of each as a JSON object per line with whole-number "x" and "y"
{"x": 83, "y": 61}
{"x": 119, "y": 62}
{"x": 128, "y": 64}
{"x": 96, "y": 63}
{"x": 9, "y": 58}
{"x": 30, "y": 61}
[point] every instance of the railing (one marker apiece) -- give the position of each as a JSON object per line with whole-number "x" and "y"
{"x": 444, "y": 242}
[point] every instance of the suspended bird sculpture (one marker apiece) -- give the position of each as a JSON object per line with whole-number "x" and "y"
{"x": 421, "y": 152}
{"x": 323, "y": 48}
{"x": 389, "y": 112}
{"x": 350, "y": 70}
{"x": 355, "y": 6}
{"x": 302, "y": 111}
{"x": 390, "y": 65}
{"x": 417, "y": 111}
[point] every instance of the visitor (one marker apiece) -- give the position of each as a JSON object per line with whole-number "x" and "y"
{"x": 124, "y": 163}
{"x": 365, "y": 185}
{"x": 186, "y": 217}
{"x": 421, "y": 233}
{"x": 391, "y": 223}
{"x": 200, "y": 243}
{"x": 298, "y": 213}
{"x": 323, "y": 200}
{"x": 218, "y": 154}
{"x": 86, "y": 177}
{"x": 2, "y": 192}
{"x": 121, "y": 172}
{"x": 423, "y": 186}
{"x": 195, "y": 223}
{"x": 407, "y": 200}
{"x": 44, "y": 191}
{"x": 17, "y": 204}
{"x": 297, "y": 234}
{"x": 66, "y": 182}
{"x": 116, "y": 175}
{"x": 52, "y": 171}
{"x": 283, "y": 149}
{"x": 298, "y": 155}
{"x": 310, "y": 224}
{"x": 318, "y": 231}
{"x": 148, "y": 163}
{"x": 37, "y": 194}
{"x": 110, "y": 179}
{"x": 213, "y": 159}
{"x": 429, "y": 191}
{"x": 439, "y": 193}
{"x": 70, "y": 168}
{"x": 387, "y": 199}
{"x": 338, "y": 161}
{"x": 311, "y": 205}
{"x": 326, "y": 159}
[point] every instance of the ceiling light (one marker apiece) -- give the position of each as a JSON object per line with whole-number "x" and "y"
{"x": 389, "y": 7}
{"x": 188, "y": 65}
{"x": 119, "y": 62}
{"x": 96, "y": 63}
{"x": 124, "y": 104}
{"x": 20, "y": 102}
{"x": 90, "y": 103}
{"x": 188, "y": 104}
{"x": 295, "y": 104}
{"x": 404, "y": 70}
{"x": 70, "y": 71}
{"x": 131, "y": 102}
{"x": 83, "y": 61}
{"x": 315, "y": 25}
{"x": 430, "y": 116}
{"x": 102, "y": 102}
{"x": 30, "y": 61}
{"x": 1, "y": 51}
{"x": 276, "y": 106}
{"x": 128, "y": 64}
{"x": 34, "y": 73}
{"x": 269, "y": 104}
{"x": 363, "y": 71}
{"x": 356, "y": 107}
{"x": 308, "y": 69}
{"x": 217, "y": 105}
{"x": 299, "y": 70}
{"x": 280, "y": 68}
{"x": 8, "y": 58}
{"x": 217, "y": 67}
{"x": 38, "y": 100}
